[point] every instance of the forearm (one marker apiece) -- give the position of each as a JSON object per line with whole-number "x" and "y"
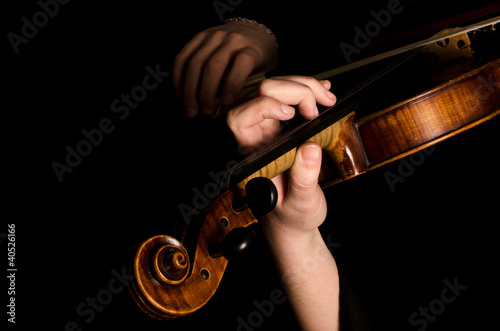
{"x": 309, "y": 276}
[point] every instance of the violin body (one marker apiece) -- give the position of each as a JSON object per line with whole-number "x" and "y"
{"x": 432, "y": 116}
{"x": 172, "y": 278}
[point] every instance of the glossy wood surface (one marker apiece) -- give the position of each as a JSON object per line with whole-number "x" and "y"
{"x": 437, "y": 114}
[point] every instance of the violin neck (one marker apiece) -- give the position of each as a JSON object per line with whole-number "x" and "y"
{"x": 339, "y": 141}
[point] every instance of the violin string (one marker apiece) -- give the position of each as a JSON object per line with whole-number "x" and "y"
{"x": 324, "y": 111}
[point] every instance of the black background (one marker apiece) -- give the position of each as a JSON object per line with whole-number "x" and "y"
{"x": 396, "y": 248}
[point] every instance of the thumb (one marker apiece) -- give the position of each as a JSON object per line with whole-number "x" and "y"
{"x": 302, "y": 206}
{"x": 304, "y": 197}
{"x": 305, "y": 170}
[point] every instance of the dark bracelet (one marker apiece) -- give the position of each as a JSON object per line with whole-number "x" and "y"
{"x": 246, "y": 20}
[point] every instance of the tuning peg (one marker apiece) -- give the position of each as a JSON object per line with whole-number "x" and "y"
{"x": 261, "y": 197}
{"x": 235, "y": 242}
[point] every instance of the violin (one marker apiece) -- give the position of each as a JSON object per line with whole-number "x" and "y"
{"x": 455, "y": 86}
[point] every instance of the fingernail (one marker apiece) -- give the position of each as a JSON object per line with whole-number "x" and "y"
{"x": 331, "y": 95}
{"x": 287, "y": 109}
{"x": 191, "y": 111}
{"x": 316, "y": 112}
{"x": 311, "y": 154}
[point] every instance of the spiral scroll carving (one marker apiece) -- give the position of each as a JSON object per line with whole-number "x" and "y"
{"x": 167, "y": 282}
{"x": 162, "y": 258}
{"x": 171, "y": 264}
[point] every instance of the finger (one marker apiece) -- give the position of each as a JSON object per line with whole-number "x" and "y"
{"x": 181, "y": 59}
{"x": 248, "y": 120}
{"x": 292, "y": 93}
{"x": 257, "y": 110}
{"x": 320, "y": 89}
{"x": 194, "y": 70}
{"x": 212, "y": 76}
{"x": 326, "y": 84}
{"x": 243, "y": 65}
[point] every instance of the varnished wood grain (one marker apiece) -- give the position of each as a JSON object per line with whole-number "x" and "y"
{"x": 328, "y": 139}
{"x": 445, "y": 110}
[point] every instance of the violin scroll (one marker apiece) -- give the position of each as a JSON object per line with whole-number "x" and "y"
{"x": 169, "y": 280}
{"x": 159, "y": 262}
{"x": 170, "y": 262}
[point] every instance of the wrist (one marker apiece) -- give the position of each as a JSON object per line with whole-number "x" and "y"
{"x": 286, "y": 240}
{"x": 299, "y": 257}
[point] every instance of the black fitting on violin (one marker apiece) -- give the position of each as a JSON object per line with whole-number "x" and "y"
{"x": 261, "y": 197}
{"x": 235, "y": 242}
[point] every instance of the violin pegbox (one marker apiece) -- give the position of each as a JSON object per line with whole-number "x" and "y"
{"x": 260, "y": 197}
{"x": 169, "y": 280}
